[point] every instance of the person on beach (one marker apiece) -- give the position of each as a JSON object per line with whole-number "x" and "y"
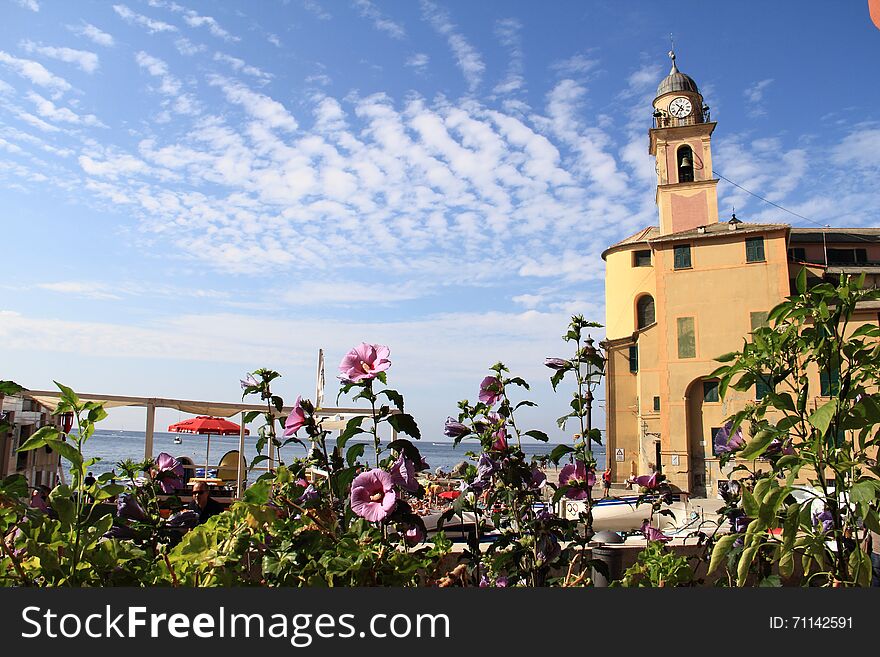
{"x": 606, "y": 482}
{"x": 203, "y": 503}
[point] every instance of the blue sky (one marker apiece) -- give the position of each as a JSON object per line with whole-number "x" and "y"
{"x": 191, "y": 191}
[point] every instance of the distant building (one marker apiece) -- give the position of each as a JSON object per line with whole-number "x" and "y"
{"x": 23, "y": 417}
{"x": 681, "y": 294}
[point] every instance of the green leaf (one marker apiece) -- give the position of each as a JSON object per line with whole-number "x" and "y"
{"x": 822, "y": 416}
{"x": 10, "y": 388}
{"x": 409, "y": 450}
{"x": 518, "y": 381}
{"x": 352, "y": 428}
{"x": 745, "y": 561}
{"x": 720, "y": 551}
{"x": 354, "y": 453}
{"x": 394, "y": 397}
{"x": 405, "y": 423}
{"x": 15, "y": 485}
{"x": 66, "y": 450}
{"x": 524, "y": 402}
{"x": 250, "y": 416}
{"x": 258, "y": 493}
{"x": 757, "y": 445}
{"x": 801, "y": 281}
{"x": 559, "y": 452}
{"x": 724, "y": 358}
{"x": 556, "y": 378}
{"x": 538, "y": 435}
{"x": 39, "y": 438}
{"x": 864, "y": 491}
{"x": 60, "y": 500}
{"x": 750, "y": 504}
{"x": 68, "y": 395}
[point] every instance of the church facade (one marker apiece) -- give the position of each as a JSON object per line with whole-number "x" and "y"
{"x": 682, "y": 293}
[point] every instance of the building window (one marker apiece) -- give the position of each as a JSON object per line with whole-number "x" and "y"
{"x": 847, "y": 256}
{"x": 755, "y": 249}
{"x": 687, "y": 344}
{"x": 762, "y": 386}
{"x": 656, "y": 404}
{"x": 758, "y": 319}
{"x": 634, "y": 359}
{"x": 797, "y": 254}
{"x": 685, "y": 164}
{"x": 682, "y": 257}
{"x": 714, "y": 432}
{"x": 829, "y": 383}
{"x": 642, "y": 259}
{"x": 645, "y": 315}
{"x": 710, "y": 391}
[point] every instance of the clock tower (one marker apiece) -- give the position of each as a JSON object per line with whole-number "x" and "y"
{"x": 681, "y": 143}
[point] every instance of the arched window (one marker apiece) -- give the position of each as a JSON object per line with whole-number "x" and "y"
{"x": 645, "y": 311}
{"x": 685, "y": 158}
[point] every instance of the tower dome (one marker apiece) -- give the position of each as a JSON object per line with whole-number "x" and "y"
{"x": 676, "y": 80}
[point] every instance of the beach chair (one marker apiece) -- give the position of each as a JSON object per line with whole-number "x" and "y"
{"x": 227, "y": 469}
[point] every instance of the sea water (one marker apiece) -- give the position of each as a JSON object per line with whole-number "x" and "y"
{"x": 114, "y": 446}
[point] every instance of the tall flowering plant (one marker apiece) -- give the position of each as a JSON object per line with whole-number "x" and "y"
{"x": 507, "y": 489}
{"x": 578, "y": 477}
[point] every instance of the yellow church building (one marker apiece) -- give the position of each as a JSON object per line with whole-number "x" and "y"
{"x": 681, "y": 294}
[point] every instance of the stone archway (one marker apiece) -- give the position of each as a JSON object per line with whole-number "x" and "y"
{"x": 698, "y": 450}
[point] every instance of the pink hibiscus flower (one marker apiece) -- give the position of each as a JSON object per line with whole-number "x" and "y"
{"x": 372, "y": 495}
{"x": 576, "y": 475}
{"x": 490, "y": 390}
{"x": 364, "y": 362}
{"x": 296, "y": 420}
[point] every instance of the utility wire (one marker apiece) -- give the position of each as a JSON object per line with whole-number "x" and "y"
{"x": 800, "y": 216}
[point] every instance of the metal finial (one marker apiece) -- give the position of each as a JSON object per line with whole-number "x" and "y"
{"x": 671, "y": 54}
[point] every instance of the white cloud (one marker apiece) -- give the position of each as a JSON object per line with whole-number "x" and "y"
{"x": 467, "y": 57}
{"x": 35, "y": 72}
{"x": 83, "y": 290}
{"x": 33, "y": 5}
{"x": 132, "y": 18}
{"x": 575, "y": 65}
{"x": 48, "y": 110}
{"x": 269, "y": 111}
{"x": 860, "y": 149}
{"x": 194, "y": 20}
{"x": 186, "y": 47}
{"x": 85, "y": 60}
{"x": 508, "y": 32}
{"x": 113, "y": 166}
{"x": 274, "y": 40}
{"x": 240, "y": 66}
{"x": 418, "y": 62}
{"x": 316, "y": 10}
{"x": 368, "y": 10}
{"x": 92, "y": 33}
{"x": 755, "y": 98}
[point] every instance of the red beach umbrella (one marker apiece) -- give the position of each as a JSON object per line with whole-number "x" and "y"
{"x": 450, "y": 494}
{"x": 205, "y": 425}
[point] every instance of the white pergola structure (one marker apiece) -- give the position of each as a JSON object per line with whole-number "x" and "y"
{"x": 334, "y": 419}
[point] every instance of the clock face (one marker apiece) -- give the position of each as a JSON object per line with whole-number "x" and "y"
{"x": 680, "y": 107}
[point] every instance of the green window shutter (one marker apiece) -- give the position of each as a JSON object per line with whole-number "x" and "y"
{"x": 829, "y": 382}
{"x": 634, "y": 359}
{"x": 710, "y": 391}
{"x": 687, "y": 344}
{"x": 682, "y": 257}
{"x": 761, "y": 388}
{"x": 755, "y": 249}
{"x": 657, "y": 404}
